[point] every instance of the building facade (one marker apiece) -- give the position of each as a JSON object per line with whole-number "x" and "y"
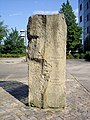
{"x": 84, "y": 22}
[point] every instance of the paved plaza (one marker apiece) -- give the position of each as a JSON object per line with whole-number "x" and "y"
{"x": 14, "y": 93}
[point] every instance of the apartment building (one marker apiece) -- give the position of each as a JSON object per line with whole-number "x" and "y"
{"x": 84, "y": 22}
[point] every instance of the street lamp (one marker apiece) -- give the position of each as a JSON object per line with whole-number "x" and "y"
{"x": 23, "y": 34}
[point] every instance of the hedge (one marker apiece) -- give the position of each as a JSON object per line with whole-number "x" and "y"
{"x": 11, "y": 55}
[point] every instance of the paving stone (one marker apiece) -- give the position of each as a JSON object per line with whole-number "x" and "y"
{"x": 78, "y": 106}
{"x": 58, "y": 118}
{"x": 40, "y": 115}
{"x": 15, "y": 116}
{"x": 24, "y": 118}
{"x": 29, "y": 114}
{"x": 33, "y": 118}
{"x": 7, "y": 117}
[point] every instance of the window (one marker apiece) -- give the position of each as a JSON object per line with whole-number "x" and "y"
{"x": 88, "y": 17}
{"x": 87, "y": 5}
{"x": 81, "y": 7}
{"x": 88, "y": 29}
{"x": 80, "y": 18}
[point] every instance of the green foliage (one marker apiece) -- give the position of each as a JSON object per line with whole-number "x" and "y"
{"x": 3, "y": 30}
{"x": 69, "y": 56}
{"x": 82, "y": 55}
{"x": 87, "y": 56}
{"x": 73, "y": 30}
{"x": 75, "y": 56}
{"x": 11, "y": 55}
{"x": 79, "y": 55}
{"x": 1, "y": 48}
{"x": 14, "y": 44}
{"x": 3, "y": 33}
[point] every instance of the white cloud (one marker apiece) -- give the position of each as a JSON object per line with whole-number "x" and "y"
{"x": 15, "y": 14}
{"x": 45, "y": 12}
{"x": 76, "y": 14}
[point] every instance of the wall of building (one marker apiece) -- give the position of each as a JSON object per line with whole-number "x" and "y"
{"x": 84, "y": 22}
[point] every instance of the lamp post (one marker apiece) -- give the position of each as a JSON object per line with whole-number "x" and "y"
{"x": 23, "y": 34}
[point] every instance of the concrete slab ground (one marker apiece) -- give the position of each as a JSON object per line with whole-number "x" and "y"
{"x": 12, "y": 60}
{"x": 80, "y": 69}
{"x": 13, "y": 96}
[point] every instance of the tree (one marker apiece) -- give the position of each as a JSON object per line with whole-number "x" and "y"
{"x": 3, "y": 33}
{"x": 14, "y": 44}
{"x": 73, "y": 30}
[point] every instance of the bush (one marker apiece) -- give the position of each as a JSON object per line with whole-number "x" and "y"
{"x": 11, "y": 55}
{"x": 69, "y": 56}
{"x": 87, "y": 56}
{"x": 82, "y": 56}
{"x": 79, "y": 55}
{"x": 76, "y": 55}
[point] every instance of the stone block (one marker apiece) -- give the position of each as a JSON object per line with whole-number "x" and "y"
{"x": 47, "y": 60}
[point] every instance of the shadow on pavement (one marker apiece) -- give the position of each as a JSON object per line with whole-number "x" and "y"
{"x": 16, "y": 89}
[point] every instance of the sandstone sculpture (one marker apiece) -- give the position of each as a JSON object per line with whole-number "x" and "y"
{"x": 47, "y": 60}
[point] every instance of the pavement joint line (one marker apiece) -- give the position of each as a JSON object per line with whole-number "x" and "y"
{"x": 6, "y": 78}
{"x": 85, "y": 89}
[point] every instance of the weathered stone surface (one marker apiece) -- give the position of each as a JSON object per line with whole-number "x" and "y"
{"x": 47, "y": 60}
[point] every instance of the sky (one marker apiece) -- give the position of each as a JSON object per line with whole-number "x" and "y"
{"x": 15, "y": 13}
